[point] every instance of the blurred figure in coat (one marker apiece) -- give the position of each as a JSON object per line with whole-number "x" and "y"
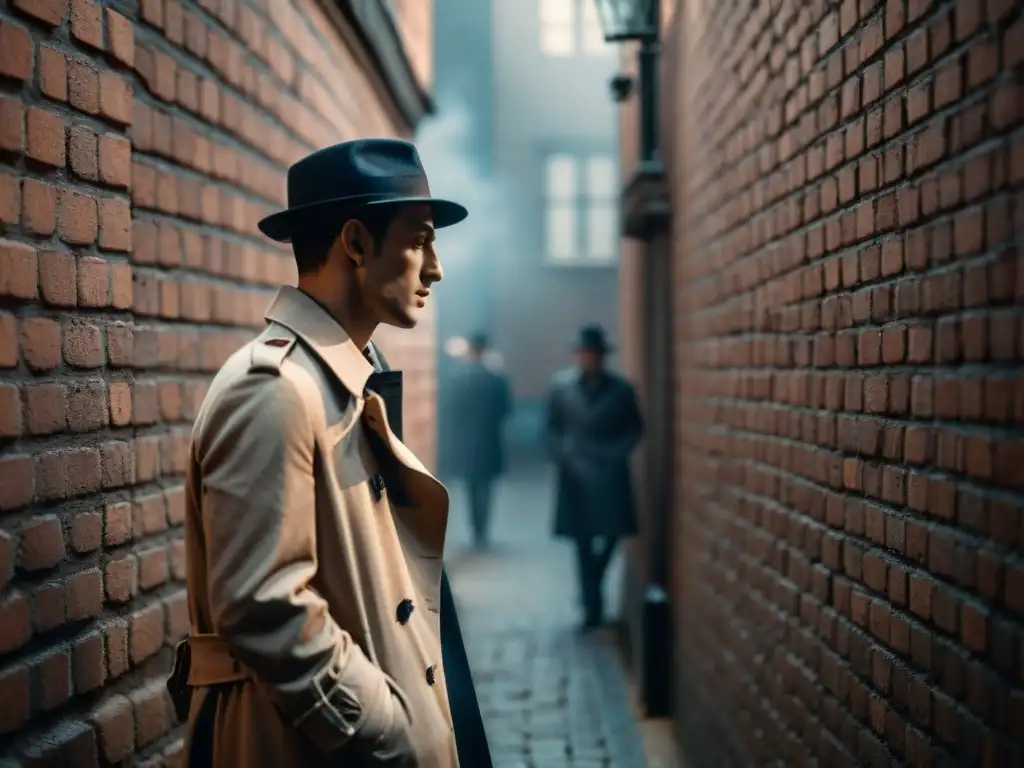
{"x": 593, "y": 425}
{"x": 479, "y": 402}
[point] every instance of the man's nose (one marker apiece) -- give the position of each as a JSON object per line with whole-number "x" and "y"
{"x": 432, "y": 271}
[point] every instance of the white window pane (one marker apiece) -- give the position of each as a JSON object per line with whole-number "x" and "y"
{"x": 593, "y": 35}
{"x": 557, "y": 13}
{"x": 556, "y": 41}
{"x": 602, "y": 231}
{"x": 561, "y": 176}
{"x": 561, "y": 232}
{"x": 601, "y": 176}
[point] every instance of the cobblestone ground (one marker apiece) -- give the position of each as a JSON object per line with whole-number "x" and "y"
{"x": 551, "y": 697}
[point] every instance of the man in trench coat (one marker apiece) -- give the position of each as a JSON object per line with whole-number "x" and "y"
{"x": 478, "y": 401}
{"x": 322, "y": 627}
{"x": 593, "y": 425}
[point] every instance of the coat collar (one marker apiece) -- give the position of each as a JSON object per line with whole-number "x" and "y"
{"x": 322, "y": 333}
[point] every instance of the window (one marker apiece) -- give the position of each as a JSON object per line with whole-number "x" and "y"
{"x": 581, "y": 209}
{"x": 567, "y": 26}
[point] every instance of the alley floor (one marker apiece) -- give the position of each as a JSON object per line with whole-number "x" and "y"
{"x": 551, "y": 696}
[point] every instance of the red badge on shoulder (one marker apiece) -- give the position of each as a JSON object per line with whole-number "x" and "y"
{"x": 277, "y": 342}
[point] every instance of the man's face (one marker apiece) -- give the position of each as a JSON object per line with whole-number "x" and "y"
{"x": 397, "y": 275}
{"x": 589, "y": 360}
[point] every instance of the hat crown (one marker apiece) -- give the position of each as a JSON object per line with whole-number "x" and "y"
{"x": 592, "y": 337}
{"x": 364, "y": 167}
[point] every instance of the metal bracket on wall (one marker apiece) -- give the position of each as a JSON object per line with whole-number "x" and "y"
{"x": 646, "y": 212}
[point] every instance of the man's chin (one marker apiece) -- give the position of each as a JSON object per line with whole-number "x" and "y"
{"x": 405, "y": 320}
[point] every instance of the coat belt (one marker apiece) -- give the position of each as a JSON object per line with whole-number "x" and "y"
{"x": 213, "y": 664}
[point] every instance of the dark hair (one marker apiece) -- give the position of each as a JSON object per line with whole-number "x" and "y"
{"x": 312, "y": 243}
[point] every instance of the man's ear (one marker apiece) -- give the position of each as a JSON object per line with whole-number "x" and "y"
{"x": 352, "y": 236}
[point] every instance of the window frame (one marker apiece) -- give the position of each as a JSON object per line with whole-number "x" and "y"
{"x": 583, "y": 20}
{"x": 582, "y": 201}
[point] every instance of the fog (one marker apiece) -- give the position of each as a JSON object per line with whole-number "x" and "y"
{"x": 469, "y": 249}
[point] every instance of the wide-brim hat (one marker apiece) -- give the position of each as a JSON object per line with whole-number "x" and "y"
{"x": 592, "y": 338}
{"x": 338, "y": 182}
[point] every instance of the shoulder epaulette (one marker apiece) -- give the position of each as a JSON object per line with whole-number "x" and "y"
{"x": 269, "y": 352}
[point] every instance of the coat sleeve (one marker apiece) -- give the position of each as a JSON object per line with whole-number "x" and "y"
{"x": 258, "y": 501}
{"x": 504, "y": 399}
{"x": 554, "y": 425}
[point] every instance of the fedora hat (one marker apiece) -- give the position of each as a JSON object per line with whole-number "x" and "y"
{"x": 343, "y": 179}
{"x": 592, "y": 338}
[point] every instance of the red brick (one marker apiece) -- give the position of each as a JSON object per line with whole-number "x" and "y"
{"x": 117, "y": 523}
{"x": 115, "y": 166}
{"x": 152, "y": 567}
{"x": 83, "y": 345}
{"x": 52, "y": 673}
{"x": 41, "y": 343}
{"x": 85, "y": 594}
{"x": 48, "y": 11}
{"x": 88, "y": 663}
{"x": 114, "y": 720}
{"x": 15, "y": 622}
{"x": 17, "y": 270}
{"x": 83, "y": 86}
{"x": 15, "y": 690}
{"x": 115, "y": 226}
{"x": 10, "y": 199}
{"x": 83, "y": 153}
{"x": 15, "y": 50}
{"x": 42, "y": 543}
{"x": 87, "y": 22}
{"x": 11, "y": 418}
{"x": 12, "y": 125}
{"x": 151, "y": 712}
{"x": 17, "y": 481}
{"x": 53, "y": 73}
{"x": 87, "y": 405}
{"x": 58, "y": 278}
{"x": 146, "y": 634}
{"x": 115, "y": 99}
{"x": 93, "y": 282}
{"x": 39, "y": 207}
{"x": 77, "y": 217}
{"x": 120, "y": 37}
{"x": 45, "y": 408}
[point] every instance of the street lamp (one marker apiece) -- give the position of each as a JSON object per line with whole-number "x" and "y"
{"x": 646, "y": 217}
{"x": 627, "y": 20}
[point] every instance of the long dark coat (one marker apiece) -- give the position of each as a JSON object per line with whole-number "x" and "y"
{"x": 470, "y": 737}
{"x": 477, "y": 403}
{"x": 591, "y": 432}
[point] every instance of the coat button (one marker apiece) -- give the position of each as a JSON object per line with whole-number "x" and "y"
{"x": 404, "y": 611}
{"x": 378, "y": 483}
{"x": 430, "y": 675}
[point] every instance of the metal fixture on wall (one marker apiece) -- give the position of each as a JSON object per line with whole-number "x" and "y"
{"x": 646, "y": 217}
{"x": 638, "y": 20}
{"x": 621, "y": 87}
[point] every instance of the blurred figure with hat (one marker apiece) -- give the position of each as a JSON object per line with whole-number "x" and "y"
{"x": 478, "y": 401}
{"x": 593, "y": 425}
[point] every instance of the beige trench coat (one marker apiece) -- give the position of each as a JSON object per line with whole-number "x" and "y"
{"x": 313, "y": 585}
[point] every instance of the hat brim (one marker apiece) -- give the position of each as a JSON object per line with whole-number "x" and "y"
{"x": 603, "y": 349}
{"x": 282, "y": 225}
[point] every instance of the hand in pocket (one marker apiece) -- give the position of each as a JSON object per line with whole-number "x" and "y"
{"x": 392, "y": 745}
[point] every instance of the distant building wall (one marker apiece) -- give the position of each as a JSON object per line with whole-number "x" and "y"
{"x": 544, "y": 104}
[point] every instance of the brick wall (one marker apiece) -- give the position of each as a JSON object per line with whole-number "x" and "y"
{"x": 848, "y": 583}
{"x": 140, "y": 144}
